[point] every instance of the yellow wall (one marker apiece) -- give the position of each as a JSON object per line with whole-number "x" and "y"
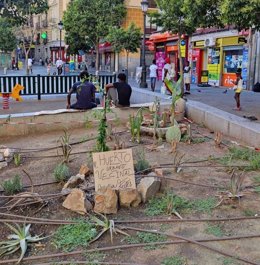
{"x": 133, "y": 15}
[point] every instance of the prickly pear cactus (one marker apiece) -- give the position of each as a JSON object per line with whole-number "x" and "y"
{"x": 173, "y": 134}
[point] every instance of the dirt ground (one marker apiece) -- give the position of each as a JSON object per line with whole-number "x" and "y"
{"x": 210, "y": 173}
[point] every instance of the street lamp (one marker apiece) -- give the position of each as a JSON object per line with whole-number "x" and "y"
{"x": 144, "y": 5}
{"x": 60, "y": 26}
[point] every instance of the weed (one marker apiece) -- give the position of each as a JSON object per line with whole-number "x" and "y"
{"x": 228, "y": 261}
{"x": 19, "y": 240}
{"x": 199, "y": 140}
{"x": 205, "y": 205}
{"x": 65, "y": 146}
{"x": 241, "y": 153}
{"x": 141, "y": 163}
{"x": 95, "y": 257}
{"x": 257, "y": 189}
{"x": 236, "y": 184}
{"x": 167, "y": 204}
{"x": 215, "y": 230}
{"x": 174, "y": 260}
{"x": 143, "y": 237}
{"x": 257, "y": 179}
{"x": 69, "y": 237}
{"x": 249, "y": 212}
{"x": 164, "y": 227}
{"x": 12, "y": 186}
{"x": 135, "y": 125}
{"x": 17, "y": 159}
{"x": 61, "y": 173}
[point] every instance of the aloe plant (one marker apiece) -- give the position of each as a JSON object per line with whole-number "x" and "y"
{"x": 18, "y": 241}
{"x": 106, "y": 225}
{"x": 135, "y": 125}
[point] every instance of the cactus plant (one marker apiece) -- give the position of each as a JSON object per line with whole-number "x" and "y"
{"x": 173, "y": 136}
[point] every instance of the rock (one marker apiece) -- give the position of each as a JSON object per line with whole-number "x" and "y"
{"x": 65, "y": 192}
{"x": 84, "y": 170}
{"x": 88, "y": 205}
{"x": 106, "y": 201}
{"x": 158, "y": 172}
{"x": 3, "y": 164}
{"x": 75, "y": 201}
{"x": 148, "y": 187}
{"x": 129, "y": 198}
{"x": 74, "y": 181}
{"x": 2, "y": 157}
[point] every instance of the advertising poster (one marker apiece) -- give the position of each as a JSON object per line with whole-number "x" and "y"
{"x": 214, "y": 66}
{"x": 160, "y": 60}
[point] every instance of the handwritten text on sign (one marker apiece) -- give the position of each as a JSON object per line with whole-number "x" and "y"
{"x": 114, "y": 169}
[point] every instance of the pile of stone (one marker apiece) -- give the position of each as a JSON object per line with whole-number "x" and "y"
{"x": 6, "y": 156}
{"x": 82, "y": 198}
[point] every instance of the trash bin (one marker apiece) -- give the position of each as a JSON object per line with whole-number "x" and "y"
{"x": 204, "y": 77}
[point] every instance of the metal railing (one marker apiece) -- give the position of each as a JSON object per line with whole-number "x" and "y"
{"x": 48, "y": 85}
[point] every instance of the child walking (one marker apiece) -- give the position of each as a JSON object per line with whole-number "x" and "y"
{"x": 238, "y": 87}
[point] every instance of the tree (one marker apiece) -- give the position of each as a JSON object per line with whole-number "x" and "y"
{"x": 243, "y": 14}
{"x": 125, "y": 39}
{"x": 88, "y": 21}
{"x": 19, "y": 11}
{"x": 184, "y": 17}
{"x": 8, "y": 39}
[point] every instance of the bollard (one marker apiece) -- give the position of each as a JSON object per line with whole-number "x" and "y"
{"x": 6, "y": 100}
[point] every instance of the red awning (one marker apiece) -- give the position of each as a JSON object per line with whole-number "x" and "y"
{"x": 161, "y": 37}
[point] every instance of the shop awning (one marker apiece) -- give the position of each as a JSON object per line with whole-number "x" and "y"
{"x": 162, "y": 37}
{"x": 105, "y": 47}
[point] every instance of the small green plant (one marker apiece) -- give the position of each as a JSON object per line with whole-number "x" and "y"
{"x": 69, "y": 237}
{"x": 143, "y": 237}
{"x": 205, "y": 205}
{"x": 257, "y": 189}
{"x": 174, "y": 260}
{"x": 135, "y": 125}
{"x": 18, "y": 241}
{"x": 95, "y": 257}
{"x": 101, "y": 145}
{"x": 199, "y": 140}
{"x": 106, "y": 225}
{"x": 12, "y": 186}
{"x": 249, "y": 212}
{"x": 173, "y": 136}
{"x": 257, "y": 179}
{"x": 228, "y": 261}
{"x": 215, "y": 230}
{"x": 169, "y": 203}
{"x": 17, "y": 159}
{"x": 65, "y": 146}
{"x": 141, "y": 163}
{"x": 61, "y": 172}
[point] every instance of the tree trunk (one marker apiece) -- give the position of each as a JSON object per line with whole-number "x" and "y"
{"x": 97, "y": 55}
{"x": 127, "y": 57}
{"x": 180, "y": 62}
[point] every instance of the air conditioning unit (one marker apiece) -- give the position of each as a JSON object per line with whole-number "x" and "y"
{"x": 209, "y": 42}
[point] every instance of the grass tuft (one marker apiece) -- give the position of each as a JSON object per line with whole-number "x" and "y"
{"x": 69, "y": 237}
{"x": 215, "y": 230}
{"x": 12, "y": 186}
{"x": 174, "y": 260}
{"x": 61, "y": 173}
{"x": 205, "y": 205}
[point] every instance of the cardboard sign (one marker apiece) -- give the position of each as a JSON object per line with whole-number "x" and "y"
{"x": 114, "y": 169}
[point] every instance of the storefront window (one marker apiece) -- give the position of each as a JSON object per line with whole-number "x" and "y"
{"x": 233, "y": 61}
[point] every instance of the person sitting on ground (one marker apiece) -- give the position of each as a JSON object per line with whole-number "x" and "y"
{"x": 119, "y": 92}
{"x": 85, "y": 91}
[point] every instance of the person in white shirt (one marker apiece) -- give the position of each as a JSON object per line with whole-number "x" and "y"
{"x": 167, "y": 73}
{"x": 59, "y": 64}
{"x": 30, "y": 61}
{"x": 153, "y": 74}
{"x": 187, "y": 77}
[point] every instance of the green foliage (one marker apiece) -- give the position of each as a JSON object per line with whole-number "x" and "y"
{"x": 69, "y": 237}
{"x": 17, "y": 159}
{"x": 205, "y": 205}
{"x": 61, "y": 172}
{"x": 228, "y": 261}
{"x": 167, "y": 204}
{"x": 135, "y": 125}
{"x": 95, "y": 257}
{"x": 95, "y": 18}
{"x": 125, "y": 39}
{"x": 8, "y": 39}
{"x": 249, "y": 212}
{"x": 257, "y": 189}
{"x": 242, "y": 14}
{"x": 257, "y": 179}
{"x": 12, "y": 186}
{"x": 18, "y": 12}
{"x": 141, "y": 163}
{"x": 174, "y": 260}
{"x": 20, "y": 240}
{"x": 173, "y": 134}
{"x": 215, "y": 230}
{"x": 143, "y": 237}
{"x": 199, "y": 140}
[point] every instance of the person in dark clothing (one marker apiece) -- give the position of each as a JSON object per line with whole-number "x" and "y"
{"x": 119, "y": 92}
{"x": 85, "y": 91}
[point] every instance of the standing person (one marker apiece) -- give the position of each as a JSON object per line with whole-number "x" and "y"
{"x": 238, "y": 87}
{"x": 167, "y": 75}
{"x": 30, "y": 63}
{"x": 85, "y": 91}
{"x": 187, "y": 77}
{"x": 59, "y": 64}
{"x": 119, "y": 92}
{"x": 153, "y": 74}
